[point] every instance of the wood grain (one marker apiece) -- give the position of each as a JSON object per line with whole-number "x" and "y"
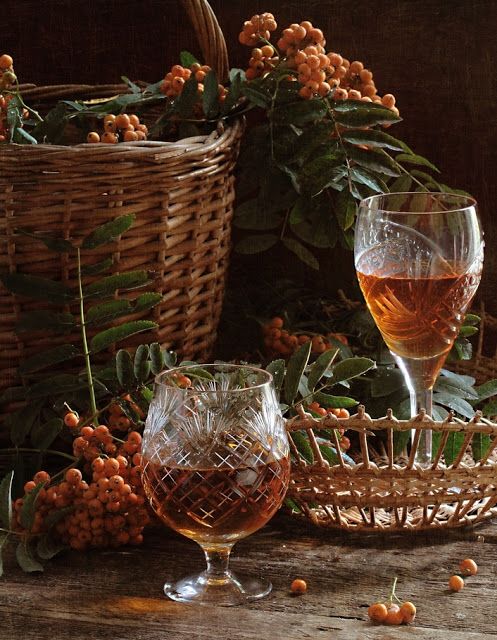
{"x": 118, "y": 594}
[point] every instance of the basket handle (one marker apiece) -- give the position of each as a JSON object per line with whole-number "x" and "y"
{"x": 209, "y": 36}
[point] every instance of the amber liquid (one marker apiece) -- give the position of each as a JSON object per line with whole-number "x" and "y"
{"x": 216, "y": 504}
{"x": 419, "y": 318}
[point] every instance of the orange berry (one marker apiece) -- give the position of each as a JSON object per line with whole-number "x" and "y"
{"x": 109, "y": 137}
{"x": 29, "y": 486}
{"x": 468, "y": 567}
{"x": 408, "y": 611}
{"x": 377, "y": 612}
{"x": 130, "y": 136}
{"x": 394, "y": 615}
{"x": 73, "y": 476}
{"x": 6, "y": 61}
{"x": 92, "y": 138}
{"x": 298, "y": 586}
{"x": 41, "y": 476}
{"x": 456, "y": 583}
{"x": 86, "y": 432}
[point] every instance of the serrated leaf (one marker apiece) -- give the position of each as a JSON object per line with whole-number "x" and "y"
{"x": 210, "y": 95}
{"x": 26, "y": 560}
{"x": 170, "y": 358}
{"x": 141, "y": 364}
{"x": 471, "y": 319}
{"x": 156, "y": 358}
{"x": 480, "y": 445}
{"x": 28, "y": 508}
{"x": 366, "y": 117}
{"x": 54, "y": 244}
{"x": 41, "y": 320}
{"x": 21, "y": 421}
{"x": 107, "y": 311}
{"x": 459, "y": 405}
{"x": 329, "y": 454}
{"x": 438, "y": 413}
{"x": 187, "y": 59}
{"x": 386, "y": 381}
{"x": 345, "y": 209}
{"x": 453, "y": 446}
{"x": 48, "y": 547}
{"x": 301, "y": 441}
{"x": 301, "y": 252}
{"x": 467, "y": 331}
{"x": 319, "y": 173}
{"x": 402, "y": 184}
{"x": 47, "y": 358}
{"x": 351, "y": 368}
{"x": 199, "y": 372}
{"x": 413, "y": 158}
{"x": 378, "y": 161}
{"x": 458, "y": 378}
{"x": 256, "y": 95}
{"x": 487, "y": 390}
{"x": 189, "y": 96}
{"x": 455, "y": 388}
{"x": 251, "y": 215}
{"x": 56, "y": 516}
{"x": 36, "y": 287}
{"x": 62, "y": 383}
{"x": 43, "y": 434}
{"x": 6, "y": 500}
{"x": 299, "y": 113}
{"x": 108, "y": 231}
{"x": 147, "y": 300}
{"x": 328, "y": 401}
{"x": 295, "y": 368}
{"x": 320, "y": 367}
{"x": 124, "y": 369}
{"x": 256, "y": 244}
{"x": 98, "y": 267}
{"x": 123, "y": 281}
{"x": 110, "y": 336}
{"x": 374, "y": 138}
{"x": 362, "y": 176}
{"x": 277, "y": 369}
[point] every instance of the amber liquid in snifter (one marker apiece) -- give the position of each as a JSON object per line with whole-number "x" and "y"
{"x": 216, "y": 504}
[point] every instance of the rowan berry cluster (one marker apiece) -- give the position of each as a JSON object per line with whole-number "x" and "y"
{"x": 391, "y": 613}
{"x": 320, "y": 412}
{"x": 281, "y": 342}
{"x": 262, "y": 61}
{"x": 109, "y": 510}
{"x": 173, "y": 83}
{"x": 258, "y": 28}
{"x": 123, "y": 127}
{"x": 7, "y": 79}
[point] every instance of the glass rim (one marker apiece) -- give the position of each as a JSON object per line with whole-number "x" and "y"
{"x": 269, "y": 378}
{"x": 464, "y": 202}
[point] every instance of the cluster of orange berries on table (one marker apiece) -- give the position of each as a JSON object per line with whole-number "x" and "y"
{"x": 467, "y": 567}
{"x": 281, "y": 342}
{"x": 120, "y": 128}
{"x": 319, "y": 72}
{"x": 391, "y": 613}
{"x": 174, "y": 81}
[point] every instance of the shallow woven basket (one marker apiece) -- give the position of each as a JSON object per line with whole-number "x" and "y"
{"x": 181, "y": 193}
{"x": 388, "y": 494}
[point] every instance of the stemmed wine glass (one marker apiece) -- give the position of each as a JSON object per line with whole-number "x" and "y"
{"x": 418, "y": 258}
{"x": 215, "y": 468}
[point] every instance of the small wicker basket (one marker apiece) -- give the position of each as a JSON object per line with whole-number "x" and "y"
{"x": 388, "y": 494}
{"x": 182, "y": 194}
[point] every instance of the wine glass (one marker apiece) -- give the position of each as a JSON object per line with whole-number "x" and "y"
{"x": 418, "y": 258}
{"x": 215, "y": 468}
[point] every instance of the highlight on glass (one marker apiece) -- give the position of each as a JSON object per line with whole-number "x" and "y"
{"x": 418, "y": 258}
{"x": 216, "y": 468}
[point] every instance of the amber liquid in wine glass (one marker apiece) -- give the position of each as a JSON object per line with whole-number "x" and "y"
{"x": 215, "y": 469}
{"x": 418, "y": 259}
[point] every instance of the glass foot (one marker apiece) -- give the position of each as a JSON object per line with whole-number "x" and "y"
{"x": 227, "y": 591}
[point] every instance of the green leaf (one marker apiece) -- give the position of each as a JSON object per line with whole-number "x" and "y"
{"x": 351, "y": 368}
{"x": 301, "y": 252}
{"x": 329, "y": 454}
{"x": 189, "y": 96}
{"x": 256, "y": 244}
{"x": 378, "y": 161}
{"x": 251, "y": 215}
{"x": 26, "y": 559}
{"x": 480, "y": 445}
{"x": 301, "y": 441}
{"x": 366, "y": 117}
{"x": 320, "y": 367}
{"x": 412, "y": 158}
{"x": 21, "y": 421}
{"x": 107, "y": 311}
{"x": 187, "y": 59}
{"x": 454, "y": 402}
{"x": 170, "y": 358}
{"x": 256, "y": 95}
{"x": 400, "y": 440}
{"x": 110, "y": 336}
{"x": 471, "y": 319}
{"x": 458, "y": 378}
{"x": 455, "y": 388}
{"x": 453, "y": 446}
{"x": 487, "y": 390}
{"x": 320, "y": 172}
{"x": 61, "y": 384}
{"x": 141, "y": 364}
{"x": 97, "y": 267}
{"x": 296, "y": 367}
{"x": 374, "y": 138}
{"x": 386, "y": 381}
{"x": 48, "y": 547}
{"x": 28, "y": 508}
{"x": 299, "y": 113}
{"x": 54, "y": 244}
{"x": 402, "y": 184}
{"x": 108, "y": 231}
{"x": 299, "y": 210}
{"x": 463, "y": 349}
{"x": 27, "y": 136}
{"x": 490, "y": 409}
{"x": 334, "y": 402}
{"x": 156, "y": 358}
{"x": 199, "y": 372}
{"x": 36, "y": 287}
{"x": 210, "y": 96}
{"x": 41, "y": 320}
{"x": 56, "y": 516}
{"x": 345, "y": 209}
{"x": 466, "y": 331}
{"x": 47, "y": 358}
{"x": 362, "y": 176}
{"x": 6, "y": 500}
{"x": 438, "y": 413}
{"x": 124, "y": 369}
{"x": 277, "y": 369}
{"x": 42, "y": 435}
{"x": 123, "y": 281}
{"x": 147, "y": 300}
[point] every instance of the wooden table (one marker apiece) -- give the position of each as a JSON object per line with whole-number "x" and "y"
{"x": 117, "y": 595}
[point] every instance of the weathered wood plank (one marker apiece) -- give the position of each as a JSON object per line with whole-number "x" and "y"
{"x": 118, "y": 594}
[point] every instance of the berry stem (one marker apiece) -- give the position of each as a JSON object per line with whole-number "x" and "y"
{"x": 392, "y": 591}
{"x": 86, "y": 352}
{"x": 31, "y": 450}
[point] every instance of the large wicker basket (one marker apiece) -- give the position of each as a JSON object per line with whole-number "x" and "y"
{"x": 181, "y": 193}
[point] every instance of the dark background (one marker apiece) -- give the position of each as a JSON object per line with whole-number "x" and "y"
{"x": 437, "y": 56}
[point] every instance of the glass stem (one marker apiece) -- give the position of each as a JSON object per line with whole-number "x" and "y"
{"x": 422, "y": 399}
{"x": 217, "y": 558}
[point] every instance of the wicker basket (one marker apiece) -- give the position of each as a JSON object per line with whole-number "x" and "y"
{"x": 182, "y": 194}
{"x": 388, "y": 494}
